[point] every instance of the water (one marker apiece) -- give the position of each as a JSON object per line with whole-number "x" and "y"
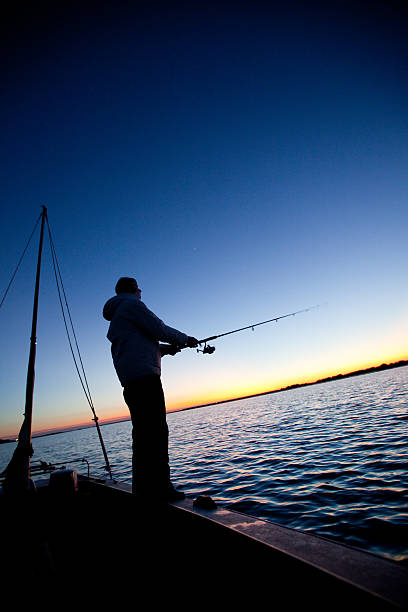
{"x": 329, "y": 459}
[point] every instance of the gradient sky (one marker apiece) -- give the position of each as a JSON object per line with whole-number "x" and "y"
{"x": 241, "y": 160}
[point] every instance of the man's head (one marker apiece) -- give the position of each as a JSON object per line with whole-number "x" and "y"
{"x": 127, "y": 285}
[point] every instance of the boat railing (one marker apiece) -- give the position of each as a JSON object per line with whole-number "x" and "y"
{"x": 44, "y": 467}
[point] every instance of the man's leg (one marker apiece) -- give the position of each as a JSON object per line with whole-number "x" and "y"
{"x": 150, "y": 462}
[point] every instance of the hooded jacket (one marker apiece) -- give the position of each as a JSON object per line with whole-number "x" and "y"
{"x": 135, "y": 332}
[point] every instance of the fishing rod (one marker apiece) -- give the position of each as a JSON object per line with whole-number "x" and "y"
{"x": 210, "y": 349}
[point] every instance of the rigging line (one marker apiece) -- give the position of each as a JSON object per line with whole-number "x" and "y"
{"x": 19, "y": 262}
{"x": 68, "y": 333}
{"x": 57, "y": 268}
{"x": 87, "y": 394}
{"x": 83, "y": 380}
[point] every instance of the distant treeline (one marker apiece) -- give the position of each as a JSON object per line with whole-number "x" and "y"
{"x": 383, "y": 366}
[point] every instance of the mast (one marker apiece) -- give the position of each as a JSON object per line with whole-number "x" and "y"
{"x": 18, "y": 470}
{"x": 17, "y": 473}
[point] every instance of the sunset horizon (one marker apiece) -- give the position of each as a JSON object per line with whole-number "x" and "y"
{"x": 171, "y": 408}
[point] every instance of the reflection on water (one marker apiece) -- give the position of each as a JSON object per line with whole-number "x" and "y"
{"x": 330, "y": 459}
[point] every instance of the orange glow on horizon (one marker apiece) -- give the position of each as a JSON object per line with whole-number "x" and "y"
{"x": 221, "y": 393}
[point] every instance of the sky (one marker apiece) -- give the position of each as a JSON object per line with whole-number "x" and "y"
{"x": 240, "y": 160}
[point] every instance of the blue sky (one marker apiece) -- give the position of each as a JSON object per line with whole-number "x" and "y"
{"x": 240, "y": 160}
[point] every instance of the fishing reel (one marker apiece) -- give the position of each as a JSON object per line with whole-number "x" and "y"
{"x": 207, "y": 349}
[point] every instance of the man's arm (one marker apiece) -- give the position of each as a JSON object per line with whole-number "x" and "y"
{"x": 160, "y": 331}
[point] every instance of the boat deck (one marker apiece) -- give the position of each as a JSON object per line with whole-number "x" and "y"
{"x": 104, "y": 537}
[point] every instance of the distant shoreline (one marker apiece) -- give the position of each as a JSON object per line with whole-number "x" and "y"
{"x": 383, "y": 366}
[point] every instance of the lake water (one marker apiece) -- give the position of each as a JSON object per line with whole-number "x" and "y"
{"x": 330, "y": 459}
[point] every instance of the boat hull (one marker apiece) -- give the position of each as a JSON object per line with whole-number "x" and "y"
{"x": 104, "y": 534}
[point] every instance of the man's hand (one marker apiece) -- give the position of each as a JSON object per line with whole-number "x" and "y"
{"x": 192, "y": 342}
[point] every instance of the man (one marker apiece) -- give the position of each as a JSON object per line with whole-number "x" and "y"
{"x": 135, "y": 332}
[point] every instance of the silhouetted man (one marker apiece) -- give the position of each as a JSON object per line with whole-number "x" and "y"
{"x": 135, "y": 332}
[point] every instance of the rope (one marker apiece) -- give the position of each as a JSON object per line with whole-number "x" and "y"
{"x": 82, "y": 377}
{"x": 19, "y": 262}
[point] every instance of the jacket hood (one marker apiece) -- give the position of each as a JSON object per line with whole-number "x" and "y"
{"x": 112, "y": 304}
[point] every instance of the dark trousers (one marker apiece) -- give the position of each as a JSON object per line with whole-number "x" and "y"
{"x": 150, "y": 462}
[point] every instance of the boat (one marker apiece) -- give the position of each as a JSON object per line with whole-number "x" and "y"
{"x": 82, "y": 539}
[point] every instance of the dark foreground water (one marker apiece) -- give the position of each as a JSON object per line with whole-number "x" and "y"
{"x": 330, "y": 458}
